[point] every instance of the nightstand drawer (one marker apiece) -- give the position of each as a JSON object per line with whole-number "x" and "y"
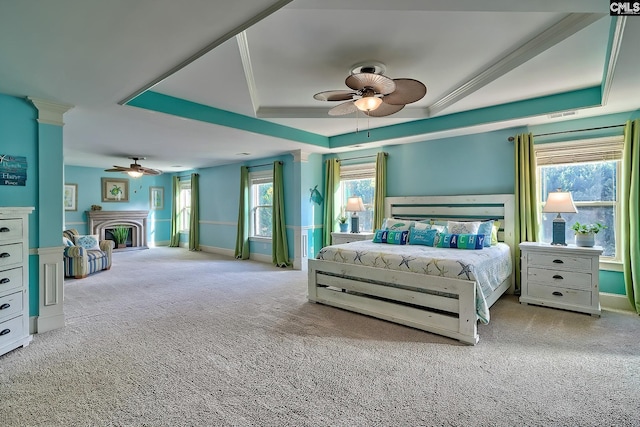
{"x": 10, "y": 254}
{"x": 10, "y": 305}
{"x": 560, "y": 295}
{"x": 11, "y": 330}
{"x": 10, "y": 279}
{"x": 560, "y": 279}
{"x": 10, "y": 229}
{"x": 560, "y": 261}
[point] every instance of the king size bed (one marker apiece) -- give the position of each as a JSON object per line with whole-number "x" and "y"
{"x": 445, "y": 291}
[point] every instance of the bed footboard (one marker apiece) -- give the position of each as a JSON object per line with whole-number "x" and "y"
{"x": 439, "y": 305}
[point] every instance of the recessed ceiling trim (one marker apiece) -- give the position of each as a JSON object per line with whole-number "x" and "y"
{"x": 243, "y": 46}
{"x": 615, "y": 42}
{"x": 553, "y": 35}
{"x": 577, "y": 99}
{"x": 154, "y": 101}
{"x": 208, "y": 48}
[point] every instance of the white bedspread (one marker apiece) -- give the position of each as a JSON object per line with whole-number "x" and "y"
{"x": 488, "y": 267}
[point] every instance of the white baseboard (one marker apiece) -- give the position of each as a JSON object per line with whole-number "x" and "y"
{"x": 216, "y": 250}
{"x": 615, "y": 301}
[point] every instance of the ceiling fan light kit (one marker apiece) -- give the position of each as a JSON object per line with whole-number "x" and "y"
{"x": 135, "y": 170}
{"x": 373, "y": 93}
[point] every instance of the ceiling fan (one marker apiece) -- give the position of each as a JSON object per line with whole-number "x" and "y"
{"x": 135, "y": 170}
{"x": 373, "y": 93}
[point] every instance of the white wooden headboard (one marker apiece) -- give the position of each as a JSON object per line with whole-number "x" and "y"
{"x": 475, "y": 207}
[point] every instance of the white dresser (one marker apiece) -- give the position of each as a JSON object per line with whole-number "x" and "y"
{"x": 564, "y": 277}
{"x": 338, "y": 237}
{"x": 14, "y": 278}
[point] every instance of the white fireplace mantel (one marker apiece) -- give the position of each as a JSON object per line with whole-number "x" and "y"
{"x": 99, "y": 221}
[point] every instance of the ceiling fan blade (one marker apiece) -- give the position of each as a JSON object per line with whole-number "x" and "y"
{"x": 384, "y": 110}
{"x": 344, "y": 108}
{"x": 149, "y": 171}
{"x": 379, "y": 83}
{"x": 117, "y": 169}
{"x": 407, "y": 91}
{"x": 334, "y": 95}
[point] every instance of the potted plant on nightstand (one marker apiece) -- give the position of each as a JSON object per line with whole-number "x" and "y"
{"x": 586, "y": 233}
{"x": 342, "y": 220}
{"x": 120, "y": 233}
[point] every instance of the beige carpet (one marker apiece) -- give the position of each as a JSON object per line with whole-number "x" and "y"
{"x": 173, "y": 338}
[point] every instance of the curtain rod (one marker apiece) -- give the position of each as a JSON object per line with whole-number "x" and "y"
{"x": 511, "y": 138}
{"x": 361, "y": 157}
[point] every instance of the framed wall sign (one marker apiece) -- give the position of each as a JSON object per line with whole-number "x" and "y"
{"x": 70, "y": 197}
{"x": 156, "y": 198}
{"x": 115, "y": 190}
{"x": 13, "y": 170}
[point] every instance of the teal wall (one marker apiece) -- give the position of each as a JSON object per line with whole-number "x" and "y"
{"x": 41, "y": 144}
{"x": 89, "y": 193}
{"x": 220, "y": 197}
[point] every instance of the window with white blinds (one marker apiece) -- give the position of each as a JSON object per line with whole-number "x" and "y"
{"x": 580, "y": 151}
{"x": 590, "y": 169}
{"x": 358, "y": 180}
{"x": 361, "y": 171}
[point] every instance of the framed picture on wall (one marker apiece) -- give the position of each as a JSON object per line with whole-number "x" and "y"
{"x": 115, "y": 190}
{"x": 156, "y": 198}
{"x": 70, "y": 199}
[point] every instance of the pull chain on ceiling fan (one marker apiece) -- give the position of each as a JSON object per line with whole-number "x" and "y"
{"x": 135, "y": 170}
{"x": 373, "y": 93}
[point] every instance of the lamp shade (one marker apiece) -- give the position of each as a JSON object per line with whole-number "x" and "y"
{"x": 354, "y": 204}
{"x": 134, "y": 174}
{"x": 368, "y": 103}
{"x": 559, "y": 202}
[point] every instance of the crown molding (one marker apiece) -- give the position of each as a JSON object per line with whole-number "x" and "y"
{"x": 50, "y": 112}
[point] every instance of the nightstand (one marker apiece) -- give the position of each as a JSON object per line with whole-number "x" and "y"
{"x": 564, "y": 277}
{"x": 337, "y": 237}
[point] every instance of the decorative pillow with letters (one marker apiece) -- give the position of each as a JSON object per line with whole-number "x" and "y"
{"x": 380, "y": 236}
{"x": 397, "y": 237}
{"x": 422, "y": 237}
{"x": 460, "y": 241}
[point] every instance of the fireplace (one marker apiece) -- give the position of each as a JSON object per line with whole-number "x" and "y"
{"x": 101, "y": 222}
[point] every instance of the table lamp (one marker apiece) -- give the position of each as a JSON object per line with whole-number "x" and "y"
{"x": 559, "y": 202}
{"x": 354, "y": 205}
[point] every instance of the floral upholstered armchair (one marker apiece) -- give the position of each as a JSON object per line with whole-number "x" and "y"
{"x": 84, "y": 255}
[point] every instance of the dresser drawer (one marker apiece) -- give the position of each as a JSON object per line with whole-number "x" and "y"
{"x": 10, "y": 279}
{"x": 10, "y": 229}
{"x": 11, "y": 330}
{"x": 10, "y": 305}
{"x": 560, "y": 261}
{"x": 559, "y": 278}
{"x": 560, "y": 295}
{"x": 10, "y": 254}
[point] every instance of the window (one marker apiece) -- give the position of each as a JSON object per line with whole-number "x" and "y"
{"x": 359, "y": 180}
{"x": 184, "y": 212}
{"x": 261, "y": 204}
{"x": 590, "y": 170}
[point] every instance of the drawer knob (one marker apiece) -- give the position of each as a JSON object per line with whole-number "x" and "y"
{"x": 4, "y": 230}
{"x": 5, "y": 332}
{"x": 5, "y": 255}
{"x": 558, "y": 261}
{"x": 4, "y": 306}
{"x": 4, "y": 280}
{"x": 557, "y": 294}
{"x": 558, "y": 277}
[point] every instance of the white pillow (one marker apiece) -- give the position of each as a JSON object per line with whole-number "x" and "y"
{"x": 397, "y": 224}
{"x": 90, "y": 242}
{"x": 427, "y": 226}
{"x": 460, "y": 227}
{"x": 66, "y": 241}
